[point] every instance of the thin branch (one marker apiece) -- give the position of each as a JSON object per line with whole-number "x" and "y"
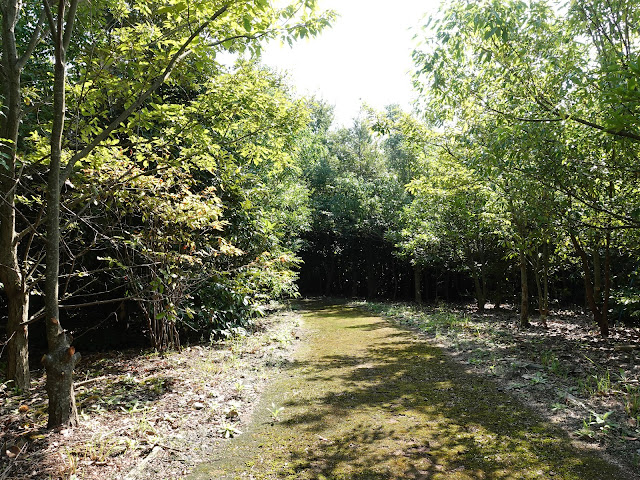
{"x": 68, "y": 29}
{"x": 160, "y": 80}
{"x": 523, "y": 119}
{"x": 6, "y": 342}
{"x": 92, "y": 294}
{"x": 103, "y": 302}
{"x": 34, "y": 269}
{"x": 39, "y": 315}
{"x": 566, "y": 116}
{"x": 49, "y": 14}
{"x": 33, "y": 42}
{"x": 6, "y": 471}
{"x": 31, "y": 228}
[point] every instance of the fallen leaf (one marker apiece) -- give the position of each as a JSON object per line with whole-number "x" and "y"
{"x": 13, "y": 452}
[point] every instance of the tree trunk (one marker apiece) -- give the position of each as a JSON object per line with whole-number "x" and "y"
{"x": 417, "y": 283}
{"x": 599, "y": 316}
{"x": 545, "y": 281}
{"x": 372, "y": 279}
{"x": 538, "y": 275}
{"x": 483, "y": 282}
{"x": 480, "y": 298}
{"x": 11, "y": 275}
{"x": 607, "y": 285}
{"x": 17, "y": 299}
{"x": 479, "y": 282}
{"x": 597, "y": 273}
{"x": 61, "y": 358}
{"x": 524, "y": 291}
{"x": 18, "y": 331}
{"x": 395, "y": 280}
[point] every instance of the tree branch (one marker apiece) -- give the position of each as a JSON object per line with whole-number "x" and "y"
{"x": 49, "y": 14}
{"x": 103, "y": 302}
{"x": 159, "y": 81}
{"x": 33, "y": 42}
{"x": 566, "y": 116}
{"x": 68, "y": 29}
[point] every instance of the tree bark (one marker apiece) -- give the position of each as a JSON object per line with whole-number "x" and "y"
{"x": 542, "y": 282}
{"x": 417, "y": 283}
{"x": 599, "y": 316}
{"x": 61, "y": 358}
{"x": 607, "y": 283}
{"x": 545, "y": 281}
{"x": 480, "y": 297}
{"x": 18, "y": 352}
{"x": 471, "y": 255}
{"x": 10, "y": 273}
{"x": 597, "y": 273}
{"x": 524, "y": 290}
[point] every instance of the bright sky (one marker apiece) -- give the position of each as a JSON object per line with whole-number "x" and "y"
{"x": 365, "y": 57}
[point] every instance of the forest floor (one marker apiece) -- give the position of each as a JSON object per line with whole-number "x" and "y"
{"x": 361, "y": 399}
{"x": 586, "y": 384}
{"x": 145, "y": 416}
{"x": 368, "y": 399}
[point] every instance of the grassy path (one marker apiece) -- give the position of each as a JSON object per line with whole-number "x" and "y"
{"x": 366, "y": 400}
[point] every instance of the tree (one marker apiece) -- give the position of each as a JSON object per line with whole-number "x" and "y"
{"x": 548, "y": 77}
{"x": 534, "y": 64}
{"x": 448, "y": 218}
{"x": 172, "y": 32}
{"x": 355, "y": 200}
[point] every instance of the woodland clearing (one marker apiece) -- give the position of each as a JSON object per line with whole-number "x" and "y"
{"x": 349, "y": 403}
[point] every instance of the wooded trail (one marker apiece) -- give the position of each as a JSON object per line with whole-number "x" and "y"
{"x": 365, "y": 399}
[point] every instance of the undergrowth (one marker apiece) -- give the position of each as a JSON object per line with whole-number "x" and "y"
{"x": 607, "y": 398}
{"x": 130, "y": 401}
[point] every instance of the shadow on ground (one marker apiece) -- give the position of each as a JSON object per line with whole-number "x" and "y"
{"x": 366, "y": 400}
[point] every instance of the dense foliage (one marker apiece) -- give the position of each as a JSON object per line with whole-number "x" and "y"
{"x": 193, "y": 192}
{"x": 141, "y": 175}
{"x": 518, "y": 170}
{"x": 545, "y": 95}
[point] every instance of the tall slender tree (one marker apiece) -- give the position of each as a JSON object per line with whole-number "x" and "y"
{"x": 174, "y": 31}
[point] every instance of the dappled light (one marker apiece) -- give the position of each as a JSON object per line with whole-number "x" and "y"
{"x": 365, "y": 400}
{"x": 163, "y": 186}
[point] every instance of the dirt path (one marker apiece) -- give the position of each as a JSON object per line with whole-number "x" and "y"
{"x": 366, "y": 400}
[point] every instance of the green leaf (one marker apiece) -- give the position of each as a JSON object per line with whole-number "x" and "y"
{"x": 177, "y": 8}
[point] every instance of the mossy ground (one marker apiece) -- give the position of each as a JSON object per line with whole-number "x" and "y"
{"x": 367, "y": 400}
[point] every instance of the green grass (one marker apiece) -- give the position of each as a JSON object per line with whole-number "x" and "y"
{"x": 367, "y": 400}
